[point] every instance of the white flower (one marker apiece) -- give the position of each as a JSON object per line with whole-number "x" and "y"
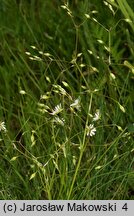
{"x": 76, "y": 104}
{"x": 97, "y": 115}
{"x": 91, "y": 130}
{"x": 56, "y": 110}
{"x": 3, "y": 127}
{"x": 59, "y": 121}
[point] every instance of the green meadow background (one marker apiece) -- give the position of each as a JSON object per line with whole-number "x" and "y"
{"x": 67, "y": 99}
